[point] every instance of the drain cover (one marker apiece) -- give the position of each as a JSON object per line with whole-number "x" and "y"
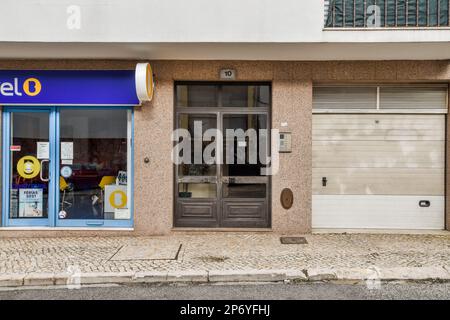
{"x": 293, "y": 240}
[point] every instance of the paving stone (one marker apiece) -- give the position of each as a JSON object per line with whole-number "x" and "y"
{"x": 326, "y": 256}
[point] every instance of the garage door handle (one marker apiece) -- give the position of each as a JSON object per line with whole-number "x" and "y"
{"x": 324, "y": 181}
{"x": 424, "y": 203}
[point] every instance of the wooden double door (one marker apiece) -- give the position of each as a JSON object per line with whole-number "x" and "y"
{"x": 230, "y": 189}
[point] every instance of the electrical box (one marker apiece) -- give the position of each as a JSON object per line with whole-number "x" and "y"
{"x": 285, "y": 142}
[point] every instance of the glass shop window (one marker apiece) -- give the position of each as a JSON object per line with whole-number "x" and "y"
{"x": 95, "y": 160}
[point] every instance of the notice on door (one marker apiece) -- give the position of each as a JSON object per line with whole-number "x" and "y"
{"x": 30, "y": 203}
{"x": 43, "y": 150}
{"x": 66, "y": 150}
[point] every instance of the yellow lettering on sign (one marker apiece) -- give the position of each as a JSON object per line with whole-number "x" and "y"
{"x": 37, "y": 87}
{"x": 120, "y": 196}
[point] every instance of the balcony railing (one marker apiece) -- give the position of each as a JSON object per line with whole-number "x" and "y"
{"x": 387, "y": 13}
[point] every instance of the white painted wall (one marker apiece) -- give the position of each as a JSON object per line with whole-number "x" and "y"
{"x": 200, "y": 29}
{"x": 163, "y": 20}
{"x": 291, "y": 21}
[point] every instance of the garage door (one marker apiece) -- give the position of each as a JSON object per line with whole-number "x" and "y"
{"x": 378, "y": 170}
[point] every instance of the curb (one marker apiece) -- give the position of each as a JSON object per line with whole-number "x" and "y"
{"x": 247, "y": 276}
{"x": 355, "y": 275}
{"x": 381, "y": 274}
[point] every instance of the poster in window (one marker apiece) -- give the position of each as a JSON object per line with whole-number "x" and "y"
{"x": 43, "y": 150}
{"x": 30, "y": 203}
{"x": 66, "y": 150}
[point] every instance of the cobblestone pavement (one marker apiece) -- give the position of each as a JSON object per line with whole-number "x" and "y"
{"x": 226, "y": 251}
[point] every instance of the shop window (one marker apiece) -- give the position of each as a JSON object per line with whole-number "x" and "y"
{"x": 94, "y": 164}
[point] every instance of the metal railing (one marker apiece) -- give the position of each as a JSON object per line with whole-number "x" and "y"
{"x": 387, "y": 13}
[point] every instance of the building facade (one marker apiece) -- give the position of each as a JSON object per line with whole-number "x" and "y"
{"x": 354, "y": 96}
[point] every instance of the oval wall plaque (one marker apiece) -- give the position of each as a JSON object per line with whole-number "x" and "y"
{"x": 287, "y": 198}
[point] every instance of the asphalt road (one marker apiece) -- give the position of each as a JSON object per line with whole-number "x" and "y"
{"x": 242, "y": 291}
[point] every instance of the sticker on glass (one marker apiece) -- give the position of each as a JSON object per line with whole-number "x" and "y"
{"x": 66, "y": 171}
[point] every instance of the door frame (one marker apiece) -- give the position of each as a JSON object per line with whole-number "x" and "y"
{"x": 219, "y": 111}
{"x": 54, "y": 193}
{"x": 6, "y": 169}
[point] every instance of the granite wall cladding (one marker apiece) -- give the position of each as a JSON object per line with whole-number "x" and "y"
{"x": 292, "y": 102}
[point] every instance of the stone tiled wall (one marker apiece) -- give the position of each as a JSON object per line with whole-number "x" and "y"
{"x": 292, "y": 102}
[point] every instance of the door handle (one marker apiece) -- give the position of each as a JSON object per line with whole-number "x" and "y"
{"x": 424, "y": 203}
{"x": 42, "y": 170}
{"x": 324, "y": 181}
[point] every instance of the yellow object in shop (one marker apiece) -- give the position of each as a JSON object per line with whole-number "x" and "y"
{"x": 28, "y": 167}
{"x": 106, "y": 180}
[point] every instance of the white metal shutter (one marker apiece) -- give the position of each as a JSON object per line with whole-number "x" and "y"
{"x": 413, "y": 97}
{"x": 378, "y": 167}
{"x": 339, "y": 97}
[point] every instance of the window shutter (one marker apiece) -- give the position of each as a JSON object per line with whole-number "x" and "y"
{"x": 344, "y": 97}
{"x": 413, "y": 97}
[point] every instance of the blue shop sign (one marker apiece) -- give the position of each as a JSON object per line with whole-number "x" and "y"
{"x": 74, "y": 87}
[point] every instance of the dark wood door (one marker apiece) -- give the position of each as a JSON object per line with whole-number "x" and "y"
{"x": 231, "y": 191}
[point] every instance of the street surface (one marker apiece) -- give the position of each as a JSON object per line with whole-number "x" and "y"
{"x": 399, "y": 290}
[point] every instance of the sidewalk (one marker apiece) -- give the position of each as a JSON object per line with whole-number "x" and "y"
{"x": 223, "y": 257}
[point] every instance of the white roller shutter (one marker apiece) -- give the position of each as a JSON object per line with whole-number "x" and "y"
{"x": 378, "y": 169}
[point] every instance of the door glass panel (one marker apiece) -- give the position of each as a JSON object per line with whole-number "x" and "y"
{"x": 205, "y": 96}
{"x": 245, "y": 190}
{"x": 246, "y": 143}
{"x": 196, "y": 190}
{"x": 29, "y": 154}
{"x": 245, "y": 96}
{"x": 193, "y": 163}
{"x": 94, "y": 164}
{"x": 223, "y": 95}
